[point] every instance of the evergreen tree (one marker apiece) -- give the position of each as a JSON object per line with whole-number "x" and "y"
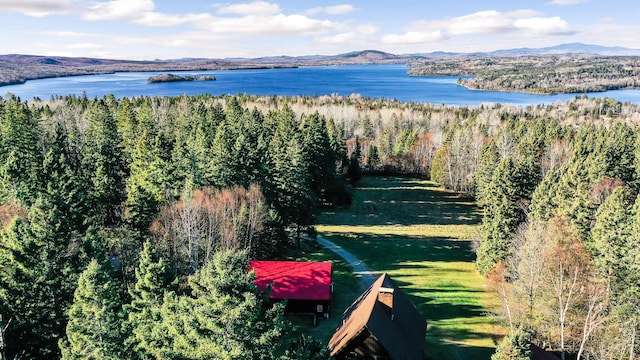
{"x": 373, "y": 159}
{"x": 103, "y": 162}
{"x": 619, "y": 147}
{"x": 516, "y": 346}
{"x": 147, "y": 186}
{"x": 612, "y": 234}
{"x": 225, "y": 162}
{"x": 354, "y": 171}
{"x": 39, "y": 262}
{"x": 95, "y": 318}
{"x": 20, "y": 154}
{"x": 62, "y": 185}
{"x": 503, "y": 214}
{"x": 154, "y": 278}
{"x": 337, "y": 143}
{"x": 318, "y": 155}
{"x": 489, "y": 159}
{"x": 288, "y": 189}
{"x": 226, "y": 317}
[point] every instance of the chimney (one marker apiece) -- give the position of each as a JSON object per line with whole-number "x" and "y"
{"x": 385, "y": 296}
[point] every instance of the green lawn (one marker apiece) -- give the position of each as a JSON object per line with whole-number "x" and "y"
{"x": 346, "y": 289}
{"x": 421, "y": 236}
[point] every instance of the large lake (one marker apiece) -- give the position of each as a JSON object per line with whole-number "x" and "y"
{"x": 376, "y": 81}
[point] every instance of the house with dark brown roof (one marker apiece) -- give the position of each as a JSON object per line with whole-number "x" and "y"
{"x": 381, "y": 324}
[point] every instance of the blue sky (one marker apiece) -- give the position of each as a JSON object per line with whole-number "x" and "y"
{"x": 164, "y": 29}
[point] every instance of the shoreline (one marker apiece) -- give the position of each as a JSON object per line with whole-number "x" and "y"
{"x": 21, "y": 81}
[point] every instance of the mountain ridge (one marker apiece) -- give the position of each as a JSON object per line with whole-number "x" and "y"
{"x": 18, "y": 68}
{"x": 361, "y": 56}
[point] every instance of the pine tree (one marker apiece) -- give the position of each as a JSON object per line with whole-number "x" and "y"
{"x": 489, "y": 159}
{"x": 354, "y": 171}
{"x": 503, "y": 214}
{"x": 147, "y": 186}
{"x": 516, "y": 346}
{"x": 612, "y": 234}
{"x": 103, "y": 162}
{"x": 318, "y": 155}
{"x": 226, "y": 317}
{"x": 20, "y": 154}
{"x": 95, "y": 318}
{"x": 225, "y": 162}
{"x": 288, "y": 189}
{"x": 39, "y": 261}
{"x": 154, "y": 278}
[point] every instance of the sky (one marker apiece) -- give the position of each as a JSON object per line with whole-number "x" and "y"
{"x": 173, "y": 29}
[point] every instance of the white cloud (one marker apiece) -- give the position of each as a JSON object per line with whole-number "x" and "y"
{"x": 367, "y": 29}
{"x": 489, "y": 22}
{"x": 84, "y": 46}
{"x": 482, "y": 22}
{"x": 332, "y": 10}
{"x": 254, "y": 8}
{"x": 566, "y": 2}
{"x": 523, "y": 13}
{"x": 161, "y": 19}
{"x": 68, "y": 34}
{"x": 554, "y": 25}
{"x": 37, "y": 8}
{"x": 119, "y": 10}
{"x": 276, "y": 24}
{"x": 359, "y": 34}
{"x": 414, "y": 37}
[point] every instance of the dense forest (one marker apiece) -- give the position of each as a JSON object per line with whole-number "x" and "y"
{"x": 551, "y": 74}
{"x": 127, "y": 219}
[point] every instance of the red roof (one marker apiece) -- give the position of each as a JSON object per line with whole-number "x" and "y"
{"x": 294, "y": 280}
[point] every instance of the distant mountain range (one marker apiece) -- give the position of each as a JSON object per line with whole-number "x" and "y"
{"x": 16, "y": 68}
{"x": 355, "y": 57}
{"x": 375, "y": 56}
{"x": 572, "y": 48}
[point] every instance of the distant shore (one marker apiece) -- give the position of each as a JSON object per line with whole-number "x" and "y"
{"x": 34, "y": 72}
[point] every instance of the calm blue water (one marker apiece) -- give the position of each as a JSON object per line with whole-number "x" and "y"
{"x": 376, "y": 81}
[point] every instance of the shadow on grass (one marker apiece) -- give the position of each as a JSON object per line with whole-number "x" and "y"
{"x": 346, "y": 289}
{"x": 400, "y": 250}
{"x": 436, "y": 272}
{"x": 404, "y": 201}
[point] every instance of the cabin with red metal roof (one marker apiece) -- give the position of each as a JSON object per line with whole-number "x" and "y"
{"x": 307, "y": 286}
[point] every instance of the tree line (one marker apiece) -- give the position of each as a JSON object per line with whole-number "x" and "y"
{"x": 550, "y": 74}
{"x": 558, "y": 241}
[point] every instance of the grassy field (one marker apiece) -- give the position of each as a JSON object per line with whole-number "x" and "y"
{"x": 421, "y": 236}
{"x": 346, "y": 289}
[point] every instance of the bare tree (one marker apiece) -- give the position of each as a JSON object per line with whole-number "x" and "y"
{"x": 506, "y": 144}
{"x": 555, "y": 155}
{"x": 206, "y": 221}
{"x": 3, "y": 329}
{"x": 497, "y": 281}
{"x": 595, "y": 309}
{"x": 528, "y": 260}
{"x": 568, "y": 264}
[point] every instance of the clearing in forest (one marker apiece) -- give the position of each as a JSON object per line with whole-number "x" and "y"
{"x": 422, "y": 236}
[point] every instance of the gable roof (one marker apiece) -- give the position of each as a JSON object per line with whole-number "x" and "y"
{"x": 400, "y": 330}
{"x": 294, "y": 280}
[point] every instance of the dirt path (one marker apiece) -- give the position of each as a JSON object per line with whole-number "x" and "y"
{"x": 362, "y": 271}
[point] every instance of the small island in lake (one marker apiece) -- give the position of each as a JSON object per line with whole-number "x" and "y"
{"x": 175, "y": 78}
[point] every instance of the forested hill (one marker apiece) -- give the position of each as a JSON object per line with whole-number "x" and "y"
{"x": 549, "y": 74}
{"x": 16, "y": 69}
{"x": 126, "y": 219}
